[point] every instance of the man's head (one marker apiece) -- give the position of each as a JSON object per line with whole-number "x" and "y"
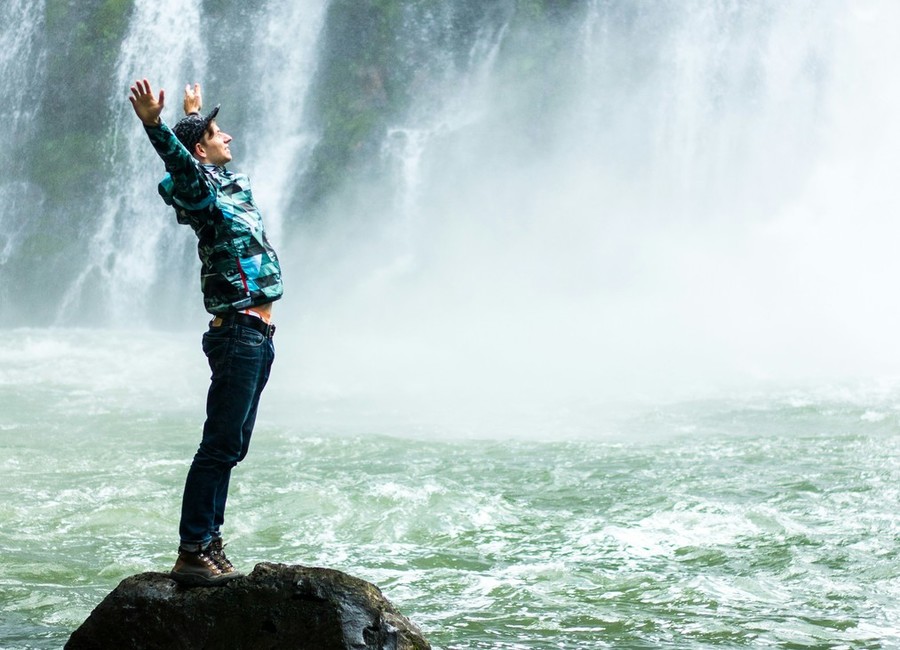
{"x": 203, "y": 138}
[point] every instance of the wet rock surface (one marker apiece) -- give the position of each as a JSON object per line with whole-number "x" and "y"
{"x": 275, "y": 606}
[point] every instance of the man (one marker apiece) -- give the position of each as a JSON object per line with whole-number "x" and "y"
{"x": 240, "y": 278}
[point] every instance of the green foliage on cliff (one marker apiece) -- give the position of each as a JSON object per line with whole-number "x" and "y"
{"x": 376, "y": 56}
{"x": 357, "y": 89}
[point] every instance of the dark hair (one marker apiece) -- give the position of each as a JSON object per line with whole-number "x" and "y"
{"x": 190, "y": 129}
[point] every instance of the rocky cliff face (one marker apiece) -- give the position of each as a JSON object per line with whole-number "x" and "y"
{"x": 276, "y": 606}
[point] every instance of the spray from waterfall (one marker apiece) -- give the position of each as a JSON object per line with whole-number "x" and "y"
{"x": 622, "y": 222}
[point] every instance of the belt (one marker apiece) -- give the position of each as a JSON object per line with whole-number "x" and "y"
{"x": 261, "y": 326}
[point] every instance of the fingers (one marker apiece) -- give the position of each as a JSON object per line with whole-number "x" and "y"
{"x": 147, "y": 107}
{"x": 141, "y": 89}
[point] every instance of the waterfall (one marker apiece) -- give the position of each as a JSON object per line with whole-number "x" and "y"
{"x": 22, "y": 60}
{"x": 606, "y": 214}
{"x": 137, "y": 245}
{"x": 134, "y": 240}
{"x": 457, "y": 101}
{"x": 504, "y": 196}
{"x": 281, "y": 141}
{"x": 22, "y": 67}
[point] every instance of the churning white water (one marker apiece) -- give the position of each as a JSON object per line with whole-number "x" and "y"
{"x": 764, "y": 521}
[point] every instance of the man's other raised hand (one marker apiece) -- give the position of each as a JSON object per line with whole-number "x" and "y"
{"x": 193, "y": 100}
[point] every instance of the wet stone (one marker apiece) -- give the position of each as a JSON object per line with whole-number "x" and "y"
{"x": 275, "y": 606}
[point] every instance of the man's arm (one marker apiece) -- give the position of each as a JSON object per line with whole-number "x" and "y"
{"x": 185, "y": 184}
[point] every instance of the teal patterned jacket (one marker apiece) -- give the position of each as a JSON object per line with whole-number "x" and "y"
{"x": 239, "y": 268}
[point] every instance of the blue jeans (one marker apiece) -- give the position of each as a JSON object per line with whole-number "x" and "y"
{"x": 240, "y": 359}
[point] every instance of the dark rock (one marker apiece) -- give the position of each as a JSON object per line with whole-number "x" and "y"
{"x": 276, "y": 606}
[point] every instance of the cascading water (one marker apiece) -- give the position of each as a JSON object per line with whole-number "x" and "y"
{"x": 21, "y": 23}
{"x": 456, "y": 102}
{"x": 278, "y": 137}
{"x": 132, "y": 245}
{"x": 136, "y": 251}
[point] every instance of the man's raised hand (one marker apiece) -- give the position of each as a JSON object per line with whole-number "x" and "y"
{"x": 193, "y": 100}
{"x": 146, "y": 106}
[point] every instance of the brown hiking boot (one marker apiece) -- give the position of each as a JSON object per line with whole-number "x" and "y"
{"x": 198, "y": 569}
{"x": 216, "y": 551}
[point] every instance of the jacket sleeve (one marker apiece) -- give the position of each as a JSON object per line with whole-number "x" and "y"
{"x": 185, "y": 185}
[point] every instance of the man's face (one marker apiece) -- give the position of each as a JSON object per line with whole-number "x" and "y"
{"x": 214, "y": 145}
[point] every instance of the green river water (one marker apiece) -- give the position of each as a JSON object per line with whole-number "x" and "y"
{"x": 768, "y": 520}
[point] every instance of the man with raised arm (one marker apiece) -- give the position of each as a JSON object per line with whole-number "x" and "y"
{"x": 240, "y": 278}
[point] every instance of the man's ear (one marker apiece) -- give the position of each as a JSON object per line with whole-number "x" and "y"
{"x": 199, "y": 151}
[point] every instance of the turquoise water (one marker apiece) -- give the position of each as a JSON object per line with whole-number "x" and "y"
{"x": 757, "y": 520}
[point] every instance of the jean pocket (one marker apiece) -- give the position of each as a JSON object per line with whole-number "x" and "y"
{"x": 250, "y": 337}
{"x": 215, "y": 343}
